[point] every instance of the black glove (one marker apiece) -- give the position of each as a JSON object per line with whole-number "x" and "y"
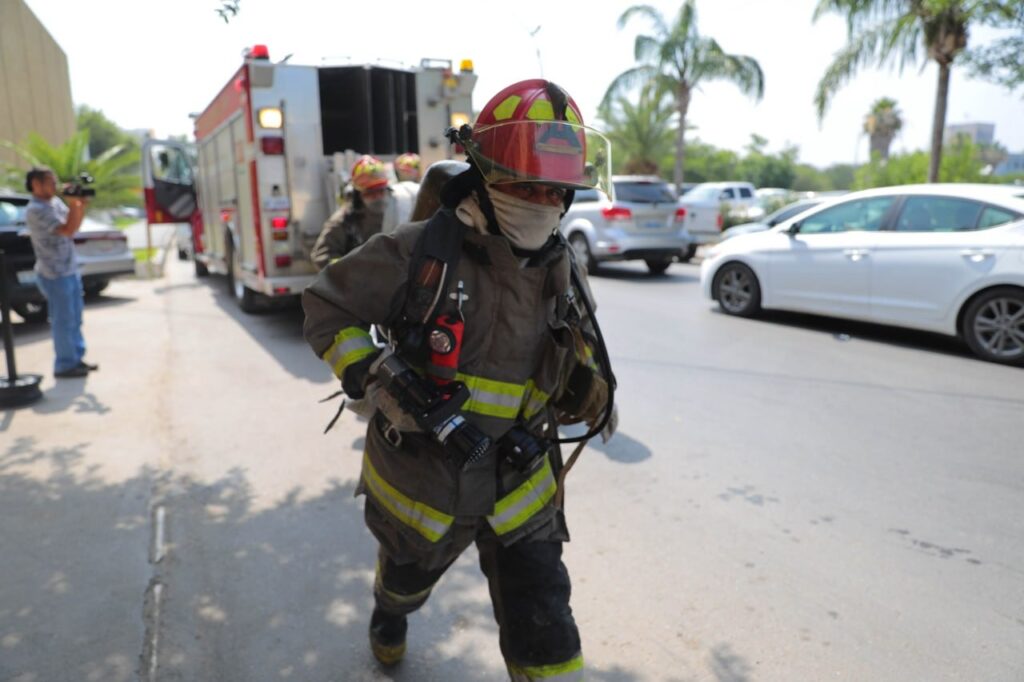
{"x": 354, "y": 378}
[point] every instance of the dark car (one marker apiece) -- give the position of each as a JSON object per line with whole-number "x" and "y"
{"x": 102, "y": 254}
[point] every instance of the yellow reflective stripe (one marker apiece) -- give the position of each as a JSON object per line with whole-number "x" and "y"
{"x": 557, "y": 672}
{"x": 534, "y": 400}
{"x": 521, "y": 504}
{"x": 492, "y": 398}
{"x": 541, "y": 110}
{"x": 422, "y": 518}
{"x": 588, "y": 357}
{"x": 350, "y": 345}
{"x": 507, "y": 107}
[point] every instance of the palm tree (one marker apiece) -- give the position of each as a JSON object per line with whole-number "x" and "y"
{"x": 881, "y": 124}
{"x": 641, "y": 133}
{"x": 113, "y": 179}
{"x": 676, "y": 60}
{"x": 883, "y": 32}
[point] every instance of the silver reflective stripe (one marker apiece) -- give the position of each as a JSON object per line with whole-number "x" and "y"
{"x": 425, "y": 520}
{"x": 349, "y": 347}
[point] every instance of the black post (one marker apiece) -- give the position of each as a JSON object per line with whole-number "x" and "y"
{"x": 14, "y": 390}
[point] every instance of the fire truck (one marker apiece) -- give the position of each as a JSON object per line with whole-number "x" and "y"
{"x": 273, "y": 151}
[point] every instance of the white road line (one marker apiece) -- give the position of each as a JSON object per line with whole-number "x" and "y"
{"x": 158, "y": 545}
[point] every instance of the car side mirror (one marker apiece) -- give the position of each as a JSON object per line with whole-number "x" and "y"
{"x": 793, "y": 229}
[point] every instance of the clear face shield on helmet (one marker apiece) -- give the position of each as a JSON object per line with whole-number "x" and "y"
{"x": 558, "y": 153}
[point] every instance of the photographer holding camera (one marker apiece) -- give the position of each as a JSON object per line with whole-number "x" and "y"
{"x": 52, "y": 224}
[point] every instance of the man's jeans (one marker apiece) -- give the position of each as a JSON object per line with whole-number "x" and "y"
{"x": 64, "y": 299}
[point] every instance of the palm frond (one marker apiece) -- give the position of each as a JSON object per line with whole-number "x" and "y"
{"x": 627, "y": 80}
{"x": 646, "y": 11}
{"x": 871, "y": 47}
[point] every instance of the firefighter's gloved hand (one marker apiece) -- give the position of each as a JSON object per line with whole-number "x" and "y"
{"x": 356, "y": 376}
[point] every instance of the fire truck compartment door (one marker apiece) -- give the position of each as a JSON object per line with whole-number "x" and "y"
{"x": 168, "y": 180}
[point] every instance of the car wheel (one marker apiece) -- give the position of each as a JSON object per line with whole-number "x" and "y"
{"x": 247, "y": 299}
{"x": 657, "y": 266}
{"x": 31, "y": 311}
{"x": 579, "y": 244}
{"x": 993, "y": 326}
{"x": 93, "y": 289}
{"x": 737, "y": 290}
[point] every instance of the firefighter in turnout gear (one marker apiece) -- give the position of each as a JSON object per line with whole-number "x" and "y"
{"x": 492, "y": 344}
{"x": 359, "y": 218}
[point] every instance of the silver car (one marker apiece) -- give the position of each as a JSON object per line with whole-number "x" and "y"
{"x": 643, "y": 222}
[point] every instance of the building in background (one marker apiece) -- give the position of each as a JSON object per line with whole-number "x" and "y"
{"x": 978, "y": 133}
{"x": 35, "y": 89}
{"x": 1013, "y": 164}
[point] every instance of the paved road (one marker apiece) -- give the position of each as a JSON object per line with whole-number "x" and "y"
{"x": 787, "y": 499}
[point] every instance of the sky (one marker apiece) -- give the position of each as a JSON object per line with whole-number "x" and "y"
{"x": 148, "y": 63}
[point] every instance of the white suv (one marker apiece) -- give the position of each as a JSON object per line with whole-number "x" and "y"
{"x": 643, "y": 222}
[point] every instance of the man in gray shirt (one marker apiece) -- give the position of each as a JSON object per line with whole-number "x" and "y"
{"x": 51, "y": 226}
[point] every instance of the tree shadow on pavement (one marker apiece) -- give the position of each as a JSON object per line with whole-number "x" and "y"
{"x": 235, "y": 589}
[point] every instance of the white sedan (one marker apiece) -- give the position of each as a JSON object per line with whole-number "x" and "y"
{"x": 943, "y": 258}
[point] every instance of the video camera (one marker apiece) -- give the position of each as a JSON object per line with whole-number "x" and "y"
{"x": 80, "y": 189}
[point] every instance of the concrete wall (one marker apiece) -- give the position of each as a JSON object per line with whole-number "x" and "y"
{"x": 35, "y": 90}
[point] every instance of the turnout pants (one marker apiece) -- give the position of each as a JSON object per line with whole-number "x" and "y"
{"x": 530, "y": 591}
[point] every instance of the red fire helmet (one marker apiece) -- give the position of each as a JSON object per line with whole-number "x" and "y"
{"x": 532, "y": 131}
{"x": 368, "y": 172}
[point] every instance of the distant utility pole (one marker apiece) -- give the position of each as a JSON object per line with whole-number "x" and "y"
{"x": 536, "y": 45}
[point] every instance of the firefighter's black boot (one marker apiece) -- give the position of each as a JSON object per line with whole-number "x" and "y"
{"x": 387, "y": 637}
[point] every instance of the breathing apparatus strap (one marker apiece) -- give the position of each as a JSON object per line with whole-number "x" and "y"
{"x": 435, "y": 258}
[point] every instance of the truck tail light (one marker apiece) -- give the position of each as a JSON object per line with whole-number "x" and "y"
{"x": 720, "y": 221}
{"x": 613, "y": 213}
{"x": 279, "y": 225}
{"x": 272, "y": 145}
{"x": 680, "y": 214}
{"x": 282, "y": 261}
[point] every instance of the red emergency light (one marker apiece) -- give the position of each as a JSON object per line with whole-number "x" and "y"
{"x": 259, "y": 52}
{"x": 279, "y": 222}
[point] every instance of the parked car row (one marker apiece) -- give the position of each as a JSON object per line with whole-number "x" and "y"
{"x": 102, "y": 252}
{"x": 940, "y": 258}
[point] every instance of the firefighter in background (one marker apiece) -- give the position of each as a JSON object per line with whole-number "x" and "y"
{"x": 403, "y": 192}
{"x": 407, "y": 167}
{"x": 494, "y": 321}
{"x": 361, "y": 215}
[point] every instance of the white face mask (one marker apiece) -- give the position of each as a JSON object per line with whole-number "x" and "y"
{"x": 526, "y": 224}
{"x": 375, "y": 207}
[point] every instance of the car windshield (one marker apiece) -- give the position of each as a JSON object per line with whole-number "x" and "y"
{"x": 11, "y": 213}
{"x": 787, "y": 212}
{"x": 644, "y": 192}
{"x": 703, "y": 193}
